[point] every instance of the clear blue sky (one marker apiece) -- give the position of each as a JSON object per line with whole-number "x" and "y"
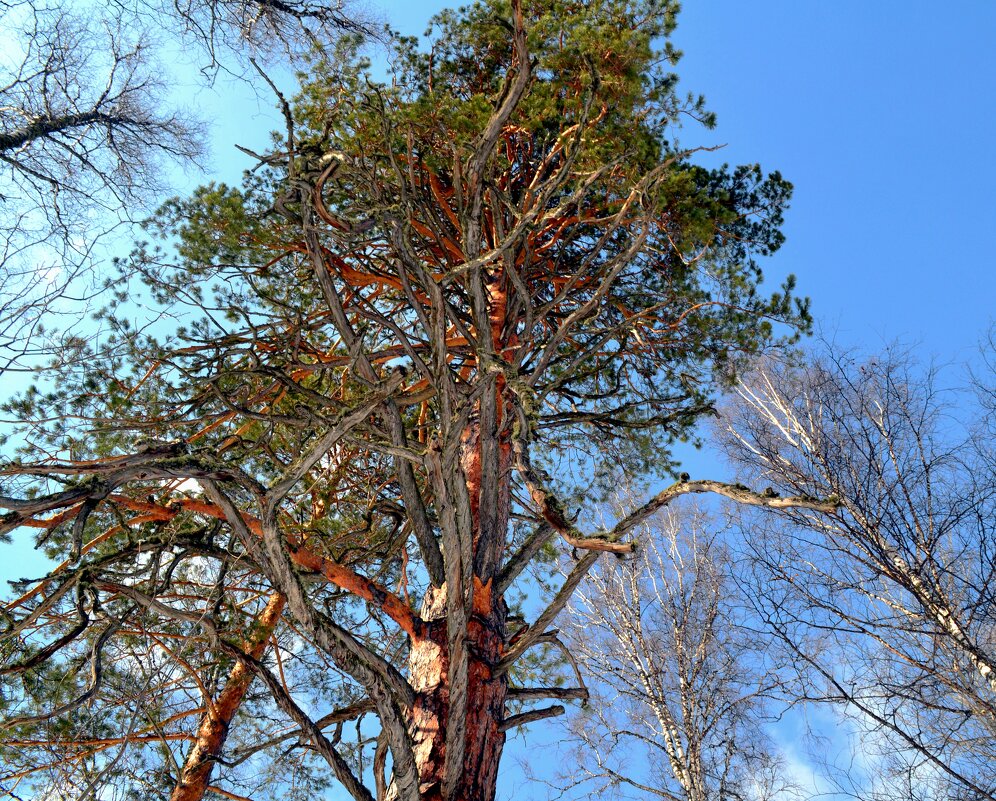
{"x": 882, "y": 113}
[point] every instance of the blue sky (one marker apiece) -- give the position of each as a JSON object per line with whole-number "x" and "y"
{"x": 882, "y": 114}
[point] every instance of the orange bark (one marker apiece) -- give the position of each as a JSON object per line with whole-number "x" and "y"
{"x": 429, "y": 659}
{"x": 195, "y": 776}
{"x": 301, "y": 555}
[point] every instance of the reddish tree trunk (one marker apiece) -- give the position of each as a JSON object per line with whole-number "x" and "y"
{"x": 429, "y": 662}
{"x": 195, "y": 776}
{"x": 429, "y": 667}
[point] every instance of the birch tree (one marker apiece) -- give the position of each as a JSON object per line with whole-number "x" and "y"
{"x": 886, "y": 604}
{"x": 682, "y": 683}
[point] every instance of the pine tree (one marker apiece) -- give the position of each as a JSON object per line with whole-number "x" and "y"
{"x": 386, "y": 372}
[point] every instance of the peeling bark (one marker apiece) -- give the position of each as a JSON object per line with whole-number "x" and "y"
{"x": 429, "y": 668}
{"x": 461, "y": 763}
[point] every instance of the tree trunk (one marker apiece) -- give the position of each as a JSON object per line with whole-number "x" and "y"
{"x": 429, "y": 669}
{"x": 485, "y": 458}
{"x": 195, "y": 776}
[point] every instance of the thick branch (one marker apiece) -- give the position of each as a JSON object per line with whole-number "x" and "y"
{"x": 213, "y": 729}
{"x": 735, "y": 492}
{"x": 524, "y": 718}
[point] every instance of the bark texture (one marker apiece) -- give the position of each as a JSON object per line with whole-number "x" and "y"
{"x": 460, "y": 696}
{"x": 430, "y": 669}
{"x": 195, "y": 776}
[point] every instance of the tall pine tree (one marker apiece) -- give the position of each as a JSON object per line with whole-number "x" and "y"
{"x": 386, "y": 372}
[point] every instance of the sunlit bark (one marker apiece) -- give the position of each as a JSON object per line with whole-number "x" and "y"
{"x": 195, "y": 777}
